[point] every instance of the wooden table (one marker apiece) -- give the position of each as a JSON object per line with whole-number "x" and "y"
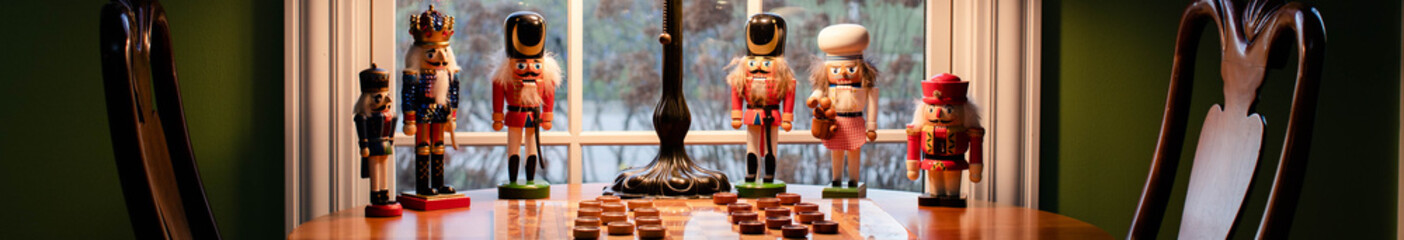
{"x": 980, "y": 220}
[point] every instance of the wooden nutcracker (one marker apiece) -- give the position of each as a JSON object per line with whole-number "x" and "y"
{"x": 430, "y": 106}
{"x": 944, "y": 127}
{"x": 844, "y": 91}
{"x": 375, "y": 134}
{"x": 763, "y": 83}
{"x": 526, "y": 82}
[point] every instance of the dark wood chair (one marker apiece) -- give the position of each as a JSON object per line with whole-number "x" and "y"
{"x": 1255, "y": 35}
{"x": 155, "y": 163}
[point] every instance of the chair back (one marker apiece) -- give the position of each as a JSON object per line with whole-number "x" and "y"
{"x": 1255, "y": 34}
{"x": 155, "y": 163}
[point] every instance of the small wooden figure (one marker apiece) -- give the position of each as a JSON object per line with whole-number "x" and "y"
{"x": 763, "y": 83}
{"x": 430, "y": 106}
{"x": 844, "y": 90}
{"x": 944, "y": 127}
{"x": 375, "y": 134}
{"x": 526, "y": 81}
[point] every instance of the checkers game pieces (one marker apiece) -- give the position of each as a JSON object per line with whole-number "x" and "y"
{"x": 777, "y": 211}
{"x": 738, "y": 207}
{"x": 654, "y": 231}
{"x": 621, "y": 228}
{"x": 608, "y": 199}
{"x": 646, "y": 211}
{"x": 589, "y": 204}
{"x": 639, "y": 203}
{"x": 794, "y": 231}
{"x": 586, "y": 232}
{"x": 611, "y": 217}
{"x": 825, "y": 227}
{"x": 738, "y": 217}
{"x": 723, "y": 198}
{"x": 777, "y": 221}
{"x": 752, "y": 227}
{"x": 810, "y": 217}
{"x": 648, "y": 220}
{"x": 767, "y": 203}
{"x": 806, "y": 207}
{"x": 613, "y": 207}
{"x": 788, "y": 198}
{"x": 588, "y": 212}
{"x": 588, "y": 221}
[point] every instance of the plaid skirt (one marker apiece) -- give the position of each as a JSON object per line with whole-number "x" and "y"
{"x": 851, "y": 134}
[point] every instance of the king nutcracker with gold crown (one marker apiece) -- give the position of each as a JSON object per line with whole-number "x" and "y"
{"x": 763, "y": 83}
{"x": 375, "y": 134}
{"x": 526, "y": 83}
{"x": 430, "y": 106}
{"x": 945, "y": 126}
{"x": 845, "y": 94}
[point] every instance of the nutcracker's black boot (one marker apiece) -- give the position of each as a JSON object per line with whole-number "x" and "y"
{"x": 837, "y": 183}
{"x": 443, "y": 188}
{"x": 512, "y": 163}
{"x": 421, "y": 174}
{"x": 852, "y": 183}
{"x": 769, "y": 168}
{"x": 381, "y": 197}
{"x": 750, "y": 167}
{"x": 531, "y": 168}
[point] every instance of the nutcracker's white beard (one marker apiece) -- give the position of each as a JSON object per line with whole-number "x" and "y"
{"x": 441, "y": 87}
{"x": 759, "y": 93}
{"x": 530, "y": 96}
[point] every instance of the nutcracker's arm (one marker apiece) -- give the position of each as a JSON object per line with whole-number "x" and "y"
{"x": 914, "y": 140}
{"x": 499, "y": 97}
{"x": 736, "y": 103}
{"x": 363, "y": 142}
{"x": 872, "y": 109}
{"x": 977, "y": 146}
{"x": 453, "y": 95}
{"x": 789, "y": 102}
{"x": 408, "y": 91}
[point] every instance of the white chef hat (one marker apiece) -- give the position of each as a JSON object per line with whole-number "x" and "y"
{"x": 843, "y": 41}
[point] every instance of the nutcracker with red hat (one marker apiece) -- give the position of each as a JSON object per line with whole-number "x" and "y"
{"x": 526, "y": 83}
{"x": 375, "y": 134}
{"x": 945, "y": 126}
{"x": 844, "y": 91}
{"x": 763, "y": 83}
{"x": 430, "y": 98}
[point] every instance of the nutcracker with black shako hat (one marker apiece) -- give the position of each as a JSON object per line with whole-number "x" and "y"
{"x": 430, "y": 101}
{"x": 844, "y": 91}
{"x": 944, "y": 127}
{"x": 375, "y": 134}
{"x": 763, "y": 83}
{"x": 526, "y": 83}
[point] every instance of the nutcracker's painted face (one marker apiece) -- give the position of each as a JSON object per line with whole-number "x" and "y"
{"x": 943, "y": 115}
{"x": 379, "y": 101}
{"x": 434, "y": 58}
{"x": 843, "y": 72}
{"x": 759, "y": 66}
{"x": 526, "y": 69}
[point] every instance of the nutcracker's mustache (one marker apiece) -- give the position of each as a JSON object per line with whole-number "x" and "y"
{"x": 529, "y": 74}
{"x": 438, "y": 64}
{"x": 939, "y": 121}
{"x": 758, "y": 71}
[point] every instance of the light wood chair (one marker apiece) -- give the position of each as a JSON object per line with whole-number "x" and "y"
{"x": 1254, "y": 34}
{"x": 155, "y": 163}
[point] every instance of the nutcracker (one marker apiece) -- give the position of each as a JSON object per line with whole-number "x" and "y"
{"x": 526, "y": 83}
{"x": 945, "y": 126}
{"x": 375, "y": 134}
{"x": 430, "y": 97}
{"x": 844, "y": 91}
{"x": 763, "y": 83}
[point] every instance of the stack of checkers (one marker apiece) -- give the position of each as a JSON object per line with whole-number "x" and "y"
{"x": 793, "y": 221}
{"x": 612, "y": 214}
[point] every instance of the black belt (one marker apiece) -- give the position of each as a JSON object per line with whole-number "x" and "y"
{"x": 957, "y": 157}
{"x": 766, "y": 107}
{"x": 854, "y": 85}
{"x": 522, "y": 109}
{"x": 850, "y": 114}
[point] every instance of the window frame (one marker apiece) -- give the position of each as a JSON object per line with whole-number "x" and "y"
{"x": 326, "y": 43}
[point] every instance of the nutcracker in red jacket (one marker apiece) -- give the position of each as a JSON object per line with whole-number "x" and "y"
{"x": 526, "y": 82}
{"x": 764, "y": 84}
{"x": 945, "y": 126}
{"x": 430, "y": 97}
{"x": 844, "y": 90}
{"x": 375, "y": 132}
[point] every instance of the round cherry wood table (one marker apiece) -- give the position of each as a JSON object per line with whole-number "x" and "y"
{"x": 981, "y": 220}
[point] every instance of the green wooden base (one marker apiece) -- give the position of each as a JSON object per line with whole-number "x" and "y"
{"x": 847, "y": 192}
{"x": 529, "y": 190}
{"x": 759, "y": 189}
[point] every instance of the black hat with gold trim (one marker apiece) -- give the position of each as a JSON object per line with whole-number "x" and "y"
{"x": 524, "y": 33}
{"x": 431, "y": 28}
{"x": 765, "y": 35}
{"x": 375, "y": 79}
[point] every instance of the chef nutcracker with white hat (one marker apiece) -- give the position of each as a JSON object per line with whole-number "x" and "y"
{"x": 763, "y": 84}
{"x": 945, "y": 126}
{"x": 844, "y": 90}
{"x": 430, "y": 97}
{"x": 526, "y": 83}
{"x": 375, "y": 134}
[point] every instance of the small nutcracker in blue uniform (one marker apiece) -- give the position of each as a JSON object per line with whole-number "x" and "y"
{"x": 375, "y": 134}
{"x": 430, "y": 97}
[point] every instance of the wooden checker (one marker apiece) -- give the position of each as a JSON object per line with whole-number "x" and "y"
{"x": 692, "y": 219}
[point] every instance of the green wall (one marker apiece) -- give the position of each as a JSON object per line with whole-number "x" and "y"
{"x": 56, "y": 142}
{"x": 1106, "y": 72}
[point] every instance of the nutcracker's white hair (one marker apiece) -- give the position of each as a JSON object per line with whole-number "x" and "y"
{"x": 970, "y": 112}
{"x": 737, "y": 77}
{"x": 819, "y": 74}
{"x": 550, "y": 74}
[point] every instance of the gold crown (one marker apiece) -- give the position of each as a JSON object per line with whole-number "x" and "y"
{"x": 431, "y": 28}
